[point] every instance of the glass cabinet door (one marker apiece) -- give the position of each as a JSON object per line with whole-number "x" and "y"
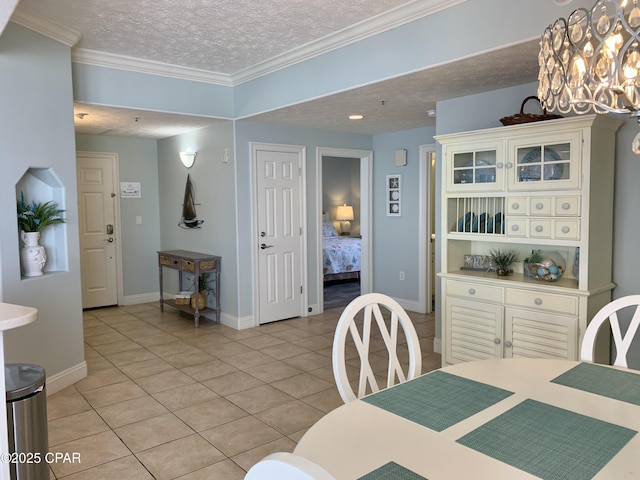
{"x": 545, "y": 166}
{"x": 479, "y": 169}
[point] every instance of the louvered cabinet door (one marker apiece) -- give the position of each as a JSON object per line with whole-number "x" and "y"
{"x": 537, "y": 334}
{"x": 474, "y": 330}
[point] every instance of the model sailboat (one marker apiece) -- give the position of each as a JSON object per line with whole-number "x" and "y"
{"x": 189, "y": 218}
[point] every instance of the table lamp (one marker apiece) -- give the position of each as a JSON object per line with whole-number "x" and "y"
{"x": 344, "y": 214}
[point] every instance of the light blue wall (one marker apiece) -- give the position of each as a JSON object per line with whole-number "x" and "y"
{"x": 247, "y": 132}
{"x": 215, "y": 197}
{"x": 36, "y": 130}
{"x": 138, "y": 162}
{"x": 395, "y": 239}
{"x": 106, "y": 86}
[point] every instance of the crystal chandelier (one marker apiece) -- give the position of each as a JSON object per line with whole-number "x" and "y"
{"x": 590, "y": 62}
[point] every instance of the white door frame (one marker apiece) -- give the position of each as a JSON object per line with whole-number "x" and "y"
{"x": 301, "y": 151}
{"x": 366, "y": 210}
{"x": 115, "y": 161}
{"x": 425, "y": 246}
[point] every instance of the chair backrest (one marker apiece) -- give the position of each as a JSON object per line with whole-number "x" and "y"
{"x": 622, "y": 343}
{"x": 287, "y": 466}
{"x": 370, "y": 304}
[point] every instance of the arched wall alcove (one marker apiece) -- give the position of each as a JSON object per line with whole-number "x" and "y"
{"x": 43, "y": 185}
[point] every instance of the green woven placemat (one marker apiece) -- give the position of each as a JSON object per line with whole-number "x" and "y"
{"x": 437, "y": 400}
{"x": 608, "y": 382}
{"x": 392, "y": 471}
{"x": 549, "y": 442}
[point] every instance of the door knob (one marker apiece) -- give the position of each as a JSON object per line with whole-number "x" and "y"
{"x": 110, "y": 239}
{"x": 263, "y": 246}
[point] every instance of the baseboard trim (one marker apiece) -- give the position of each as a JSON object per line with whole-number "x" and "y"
{"x": 437, "y": 345}
{"x": 242, "y": 323}
{"x": 409, "y": 305}
{"x": 66, "y": 378}
{"x": 141, "y": 298}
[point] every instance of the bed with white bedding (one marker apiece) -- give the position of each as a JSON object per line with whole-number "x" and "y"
{"x": 340, "y": 254}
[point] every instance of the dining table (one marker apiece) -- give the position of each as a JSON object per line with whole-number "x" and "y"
{"x": 518, "y": 418}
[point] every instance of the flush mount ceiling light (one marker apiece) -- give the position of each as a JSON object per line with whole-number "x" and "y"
{"x": 590, "y": 62}
{"x": 188, "y": 158}
{"x": 356, "y": 116}
{"x": 431, "y": 113}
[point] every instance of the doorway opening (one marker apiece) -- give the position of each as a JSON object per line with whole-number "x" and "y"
{"x": 426, "y": 228}
{"x": 344, "y": 250}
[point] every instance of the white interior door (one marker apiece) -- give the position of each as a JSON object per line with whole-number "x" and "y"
{"x": 278, "y": 230}
{"x": 97, "y": 198}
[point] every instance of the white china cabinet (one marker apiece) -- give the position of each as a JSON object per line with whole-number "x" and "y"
{"x": 543, "y": 186}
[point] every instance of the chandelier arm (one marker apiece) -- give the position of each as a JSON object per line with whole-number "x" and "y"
{"x": 602, "y": 106}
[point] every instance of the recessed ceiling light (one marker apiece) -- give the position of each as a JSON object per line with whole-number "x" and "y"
{"x": 356, "y": 116}
{"x": 431, "y": 113}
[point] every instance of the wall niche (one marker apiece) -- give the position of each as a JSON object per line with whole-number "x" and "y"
{"x": 41, "y": 185}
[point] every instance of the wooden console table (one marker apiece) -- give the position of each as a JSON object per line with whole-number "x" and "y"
{"x": 196, "y": 264}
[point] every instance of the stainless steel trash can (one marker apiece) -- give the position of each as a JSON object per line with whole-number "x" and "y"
{"x": 27, "y": 421}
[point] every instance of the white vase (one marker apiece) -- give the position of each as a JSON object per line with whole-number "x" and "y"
{"x": 33, "y": 256}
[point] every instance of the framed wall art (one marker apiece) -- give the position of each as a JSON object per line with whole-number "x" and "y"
{"x": 394, "y": 195}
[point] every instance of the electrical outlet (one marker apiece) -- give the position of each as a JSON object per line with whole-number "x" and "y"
{"x": 401, "y": 275}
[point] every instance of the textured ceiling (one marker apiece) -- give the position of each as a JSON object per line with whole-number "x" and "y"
{"x": 223, "y": 36}
{"x": 228, "y": 37}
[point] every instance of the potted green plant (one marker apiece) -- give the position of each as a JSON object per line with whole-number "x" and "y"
{"x": 32, "y": 219}
{"x": 502, "y": 260}
{"x": 35, "y": 217}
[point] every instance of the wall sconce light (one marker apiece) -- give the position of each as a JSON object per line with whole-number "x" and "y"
{"x": 344, "y": 214}
{"x": 188, "y": 158}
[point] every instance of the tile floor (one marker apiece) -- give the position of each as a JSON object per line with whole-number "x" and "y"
{"x": 164, "y": 400}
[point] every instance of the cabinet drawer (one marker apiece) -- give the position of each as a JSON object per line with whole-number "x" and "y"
{"x": 567, "y": 229}
{"x": 517, "y": 205}
{"x": 474, "y": 291}
{"x": 516, "y": 227}
{"x": 169, "y": 261}
{"x": 542, "y": 301}
{"x": 540, "y": 228}
{"x": 540, "y": 205}
{"x": 567, "y": 206}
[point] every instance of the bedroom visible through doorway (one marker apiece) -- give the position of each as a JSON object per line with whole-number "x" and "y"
{"x": 341, "y": 248}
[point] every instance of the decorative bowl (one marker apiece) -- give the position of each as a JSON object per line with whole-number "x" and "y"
{"x": 549, "y": 269}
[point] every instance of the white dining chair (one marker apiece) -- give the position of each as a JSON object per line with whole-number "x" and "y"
{"x": 370, "y": 305}
{"x": 622, "y": 343}
{"x": 287, "y": 466}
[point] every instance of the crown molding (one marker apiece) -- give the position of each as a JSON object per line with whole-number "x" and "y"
{"x": 132, "y": 64}
{"x": 45, "y": 26}
{"x": 367, "y": 28}
{"x": 370, "y": 27}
